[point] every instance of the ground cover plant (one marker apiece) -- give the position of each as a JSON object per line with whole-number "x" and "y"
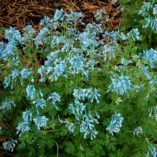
{"x": 80, "y": 92}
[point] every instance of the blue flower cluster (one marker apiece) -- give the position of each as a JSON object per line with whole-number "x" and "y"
{"x": 40, "y": 121}
{"x": 120, "y": 84}
{"x": 9, "y": 145}
{"x": 7, "y": 105}
{"x": 115, "y": 124}
{"x": 152, "y": 151}
{"x": 87, "y": 93}
{"x": 84, "y": 118}
{"x": 54, "y": 97}
{"x": 149, "y": 13}
{"x": 150, "y": 56}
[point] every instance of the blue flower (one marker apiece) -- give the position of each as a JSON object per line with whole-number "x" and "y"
{"x": 7, "y": 105}
{"x": 42, "y": 72}
{"x": 9, "y": 145}
{"x": 71, "y": 126}
{"x": 145, "y": 8}
{"x": 99, "y": 15}
{"x": 27, "y": 116}
{"x": 40, "y": 103}
{"x": 26, "y": 72}
{"x": 22, "y": 128}
{"x": 46, "y": 22}
{"x": 58, "y": 15}
{"x": 15, "y": 73}
{"x": 41, "y": 38}
{"x": 1, "y": 49}
{"x": 152, "y": 150}
{"x": 120, "y": 84}
{"x": 155, "y": 9}
{"x": 12, "y": 34}
{"x": 7, "y": 81}
{"x": 150, "y": 56}
{"x": 134, "y": 34}
{"x": 51, "y": 57}
{"x": 76, "y": 64}
{"x": 30, "y": 90}
{"x": 9, "y": 50}
{"x": 54, "y": 97}
{"x": 29, "y": 33}
{"x": 90, "y": 93}
{"x": 77, "y": 108}
{"x": 74, "y": 17}
{"x": 122, "y": 36}
{"x": 40, "y": 121}
{"x": 146, "y": 72}
{"x": 87, "y": 126}
{"x": 58, "y": 71}
{"x": 115, "y": 124}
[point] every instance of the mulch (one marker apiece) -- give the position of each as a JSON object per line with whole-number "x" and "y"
{"x": 19, "y": 13}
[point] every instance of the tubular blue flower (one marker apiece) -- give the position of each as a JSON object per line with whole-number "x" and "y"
{"x": 42, "y": 72}
{"x": 27, "y": 116}
{"x": 120, "y": 84}
{"x": 22, "y": 127}
{"x": 89, "y": 93}
{"x": 125, "y": 61}
{"x": 40, "y": 121}
{"x": 12, "y": 34}
{"x": 155, "y": 9}
{"x": 76, "y": 64}
{"x": 146, "y": 72}
{"x": 26, "y": 72}
{"x": 9, "y": 50}
{"x": 30, "y": 90}
{"x": 74, "y": 17}
{"x": 87, "y": 126}
{"x": 77, "y": 108}
{"x": 41, "y": 38}
{"x": 152, "y": 149}
{"x": 54, "y": 97}
{"x": 58, "y": 15}
{"x": 29, "y": 33}
{"x": 99, "y": 15}
{"x": 71, "y": 126}
{"x": 7, "y": 105}
{"x": 122, "y": 36}
{"x": 40, "y": 103}
{"x": 2, "y": 45}
{"x": 150, "y": 56}
{"x": 58, "y": 71}
{"x": 145, "y": 8}
{"x": 51, "y": 57}
{"x": 115, "y": 124}
{"x": 93, "y": 95}
{"x": 153, "y": 112}
{"x": 7, "y": 81}
{"x": 15, "y": 73}
{"x": 134, "y": 34}
{"x": 46, "y": 22}
{"x": 9, "y": 145}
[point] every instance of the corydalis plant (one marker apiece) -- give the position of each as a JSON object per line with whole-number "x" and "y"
{"x": 67, "y": 82}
